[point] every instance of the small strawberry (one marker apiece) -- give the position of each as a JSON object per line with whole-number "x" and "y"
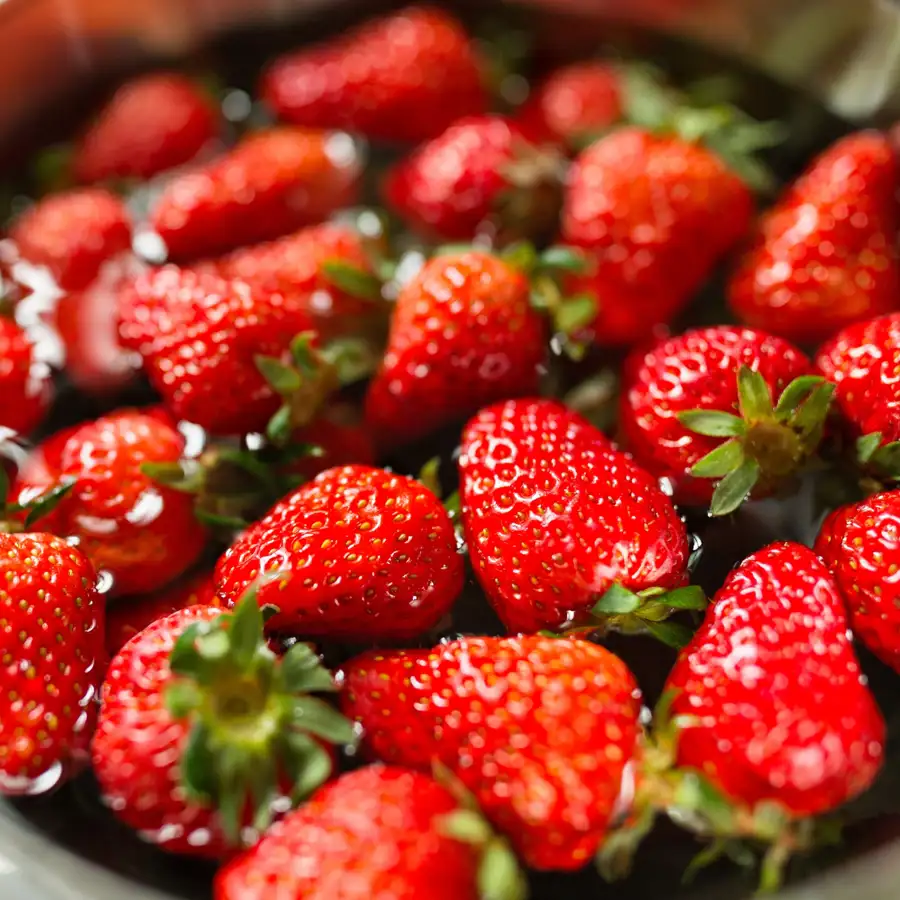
{"x": 655, "y": 213}
{"x": 142, "y": 534}
{"x": 463, "y": 335}
{"x": 270, "y": 184}
{"x": 556, "y": 520}
{"x": 723, "y": 412}
{"x": 769, "y": 719}
{"x": 373, "y": 557}
{"x": 202, "y": 729}
{"x": 538, "y": 729}
{"x": 51, "y": 647}
{"x": 825, "y": 255}
{"x": 402, "y": 77}
{"x": 381, "y": 831}
{"x": 859, "y": 544}
{"x": 481, "y": 175}
{"x": 152, "y": 123}
{"x": 73, "y": 233}
{"x": 575, "y": 102}
{"x": 25, "y": 385}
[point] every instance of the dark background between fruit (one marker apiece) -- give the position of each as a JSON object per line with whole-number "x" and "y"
{"x": 73, "y": 815}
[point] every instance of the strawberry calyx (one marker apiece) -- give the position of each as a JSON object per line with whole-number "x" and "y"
{"x": 35, "y": 508}
{"x": 253, "y": 723}
{"x": 878, "y": 459}
{"x": 353, "y": 280}
{"x": 530, "y": 202}
{"x": 430, "y": 476}
{"x": 766, "y": 443}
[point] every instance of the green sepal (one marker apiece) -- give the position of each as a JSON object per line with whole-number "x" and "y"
{"x": 719, "y": 462}
{"x": 317, "y": 717}
{"x": 282, "y": 378}
{"x": 672, "y": 634}
{"x": 352, "y": 358}
{"x": 246, "y": 627}
{"x": 754, "y": 397}
{"x": 616, "y": 854}
{"x": 453, "y": 505}
{"x": 352, "y": 280}
{"x": 734, "y": 488}
{"x": 688, "y": 597}
{"x": 466, "y": 825}
{"x": 214, "y": 520}
{"x": 308, "y": 765}
{"x": 499, "y": 874}
{"x": 302, "y": 672}
{"x": 560, "y": 258}
{"x": 520, "y": 255}
{"x": 280, "y": 426}
{"x": 575, "y": 313}
{"x": 616, "y": 601}
{"x": 182, "y": 698}
{"x": 45, "y": 504}
{"x": 866, "y": 446}
{"x": 797, "y": 391}
{"x": 809, "y": 418}
{"x": 712, "y": 423}
{"x": 197, "y": 763}
{"x": 429, "y": 475}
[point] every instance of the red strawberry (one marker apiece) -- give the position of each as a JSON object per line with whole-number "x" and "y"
{"x": 463, "y": 335}
{"x": 481, "y": 174}
{"x": 372, "y": 556}
{"x": 401, "y": 77}
{"x": 859, "y": 544}
{"x": 200, "y": 729}
{"x": 268, "y": 185}
{"x": 24, "y": 382}
{"x": 825, "y": 255}
{"x": 699, "y": 407}
{"x": 73, "y": 233}
{"x": 656, "y": 214}
{"x": 380, "y": 832}
{"x": 575, "y": 102}
{"x": 51, "y": 646}
{"x": 538, "y": 729}
{"x": 554, "y": 517}
{"x": 141, "y": 533}
{"x": 152, "y": 123}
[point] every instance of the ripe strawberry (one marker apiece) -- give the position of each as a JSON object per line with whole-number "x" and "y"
{"x": 268, "y": 185}
{"x": 538, "y": 729}
{"x": 73, "y": 233}
{"x": 401, "y": 77}
{"x": 24, "y": 381}
{"x": 481, "y": 174}
{"x": 381, "y": 831}
{"x": 656, "y": 213}
{"x": 152, "y": 123}
{"x": 825, "y": 255}
{"x": 373, "y": 557}
{"x": 141, "y": 533}
{"x": 858, "y": 543}
{"x": 51, "y": 645}
{"x": 463, "y": 335}
{"x": 202, "y": 728}
{"x": 699, "y": 407}
{"x": 574, "y": 103}
{"x": 554, "y": 518}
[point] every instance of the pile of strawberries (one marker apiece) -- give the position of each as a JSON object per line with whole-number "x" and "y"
{"x": 173, "y": 575}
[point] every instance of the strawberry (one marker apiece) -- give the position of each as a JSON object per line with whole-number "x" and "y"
{"x": 463, "y": 335}
{"x": 24, "y": 381}
{"x": 573, "y": 103}
{"x": 825, "y": 255}
{"x": 656, "y": 213}
{"x": 858, "y": 543}
{"x": 51, "y": 646}
{"x": 270, "y": 184}
{"x": 538, "y": 729}
{"x": 336, "y": 440}
{"x": 73, "y": 233}
{"x": 381, "y": 831}
{"x": 481, "y": 174}
{"x": 401, "y": 77}
{"x": 723, "y": 412}
{"x": 202, "y": 728}
{"x": 152, "y": 123}
{"x": 555, "y": 518}
{"x": 142, "y": 534}
{"x": 373, "y": 557}
{"x": 768, "y": 708}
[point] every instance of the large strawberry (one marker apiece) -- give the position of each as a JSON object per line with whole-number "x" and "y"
{"x": 372, "y": 557}
{"x": 25, "y": 386}
{"x": 151, "y": 123}
{"x": 481, "y": 175}
{"x": 202, "y": 729}
{"x": 138, "y": 531}
{"x": 826, "y": 254}
{"x": 860, "y": 544}
{"x": 381, "y": 831}
{"x": 463, "y": 334}
{"x": 656, "y": 213}
{"x": 555, "y": 518}
{"x": 73, "y": 233}
{"x": 723, "y": 412}
{"x": 51, "y": 648}
{"x": 270, "y": 184}
{"x": 538, "y": 729}
{"x": 768, "y": 708}
{"x": 402, "y": 77}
